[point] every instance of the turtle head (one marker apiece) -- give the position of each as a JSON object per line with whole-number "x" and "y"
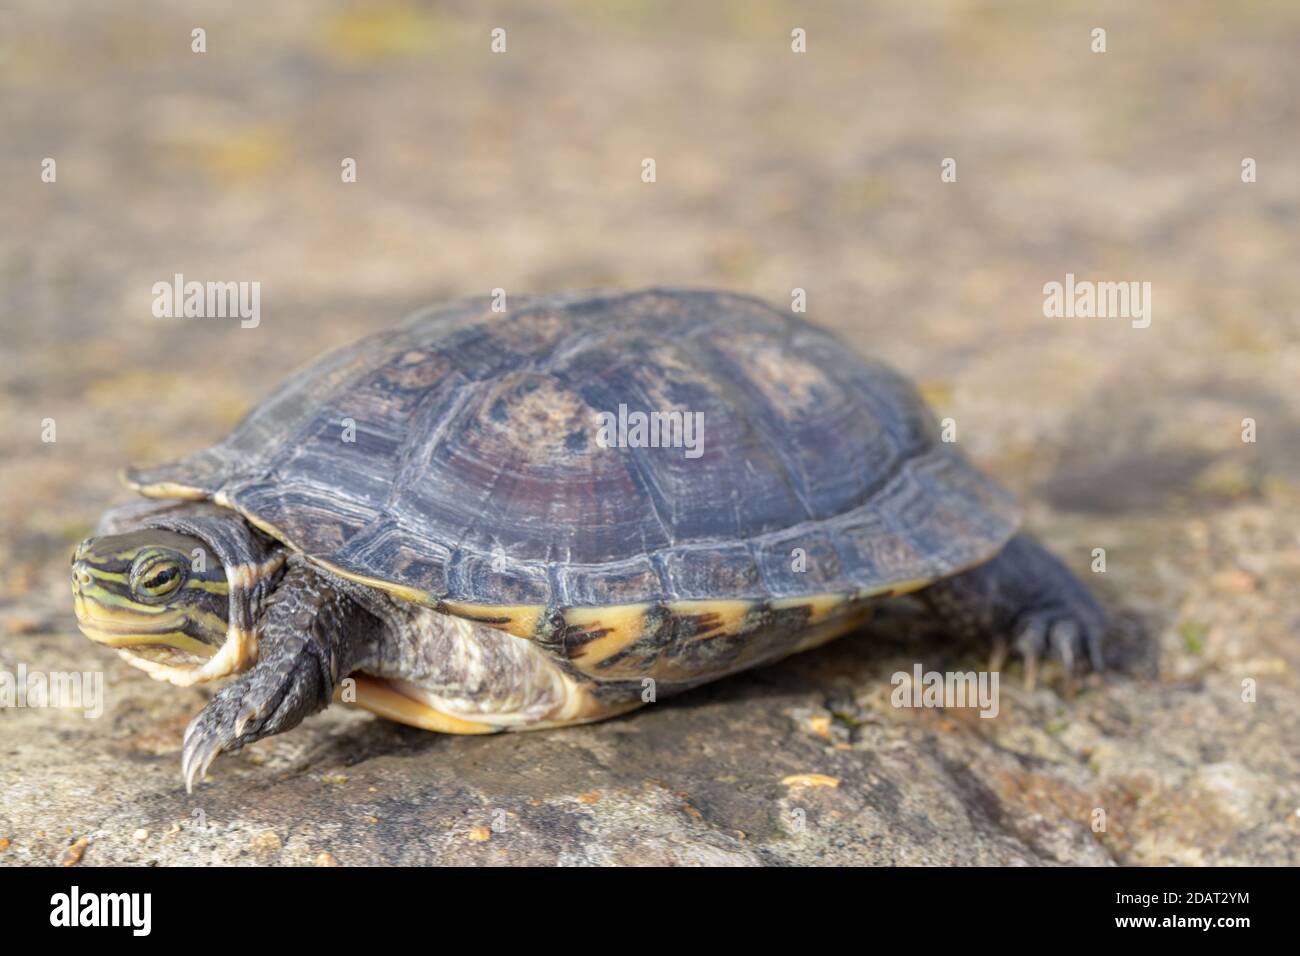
{"x": 159, "y": 597}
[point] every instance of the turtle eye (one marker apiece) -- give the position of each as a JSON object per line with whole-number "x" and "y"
{"x": 154, "y": 577}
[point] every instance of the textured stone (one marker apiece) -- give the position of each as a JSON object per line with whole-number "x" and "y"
{"x": 776, "y": 170}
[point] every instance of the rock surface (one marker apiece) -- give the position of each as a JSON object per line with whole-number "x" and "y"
{"x": 775, "y": 170}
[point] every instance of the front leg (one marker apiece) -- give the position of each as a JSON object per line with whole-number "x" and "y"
{"x": 309, "y": 637}
{"x": 1027, "y": 595}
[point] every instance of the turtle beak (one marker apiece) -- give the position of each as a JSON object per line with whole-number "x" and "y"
{"x": 81, "y": 579}
{"x": 83, "y": 583}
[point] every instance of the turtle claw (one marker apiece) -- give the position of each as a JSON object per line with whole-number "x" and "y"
{"x": 270, "y": 698}
{"x": 225, "y": 725}
{"x": 1030, "y": 643}
{"x": 205, "y": 739}
{"x": 1024, "y": 598}
{"x": 1063, "y": 636}
{"x": 1031, "y": 671}
{"x": 1066, "y": 636}
{"x": 197, "y": 757}
{"x": 998, "y": 656}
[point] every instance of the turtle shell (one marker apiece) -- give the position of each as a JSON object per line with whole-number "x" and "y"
{"x": 457, "y": 461}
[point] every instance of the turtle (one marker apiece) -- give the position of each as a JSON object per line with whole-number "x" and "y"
{"x": 484, "y": 520}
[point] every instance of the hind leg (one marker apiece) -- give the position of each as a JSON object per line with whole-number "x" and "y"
{"x": 1026, "y": 598}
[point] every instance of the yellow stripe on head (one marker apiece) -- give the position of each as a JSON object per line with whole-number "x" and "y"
{"x": 153, "y": 594}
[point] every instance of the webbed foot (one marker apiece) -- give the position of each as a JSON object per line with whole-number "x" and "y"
{"x": 1028, "y": 602}
{"x": 272, "y": 697}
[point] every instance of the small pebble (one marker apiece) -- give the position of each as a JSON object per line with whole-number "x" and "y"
{"x": 72, "y": 855}
{"x": 140, "y": 835}
{"x": 266, "y": 842}
{"x": 326, "y": 859}
{"x": 480, "y": 834}
{"x": 811, "y": 780}
{"x": 1234, "y": 580}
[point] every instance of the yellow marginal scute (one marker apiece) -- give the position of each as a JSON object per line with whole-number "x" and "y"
{"x": 379, "y": 697}
{"x": 724, "y": 617}
{"x": 410, "y": 595}
{"x": 621, "y": 625}
{"x": 521, "y": 620}
{"x": 818, "y": 605}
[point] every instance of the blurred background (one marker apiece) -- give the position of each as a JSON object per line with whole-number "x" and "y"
{"x": 775, "y": 170}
